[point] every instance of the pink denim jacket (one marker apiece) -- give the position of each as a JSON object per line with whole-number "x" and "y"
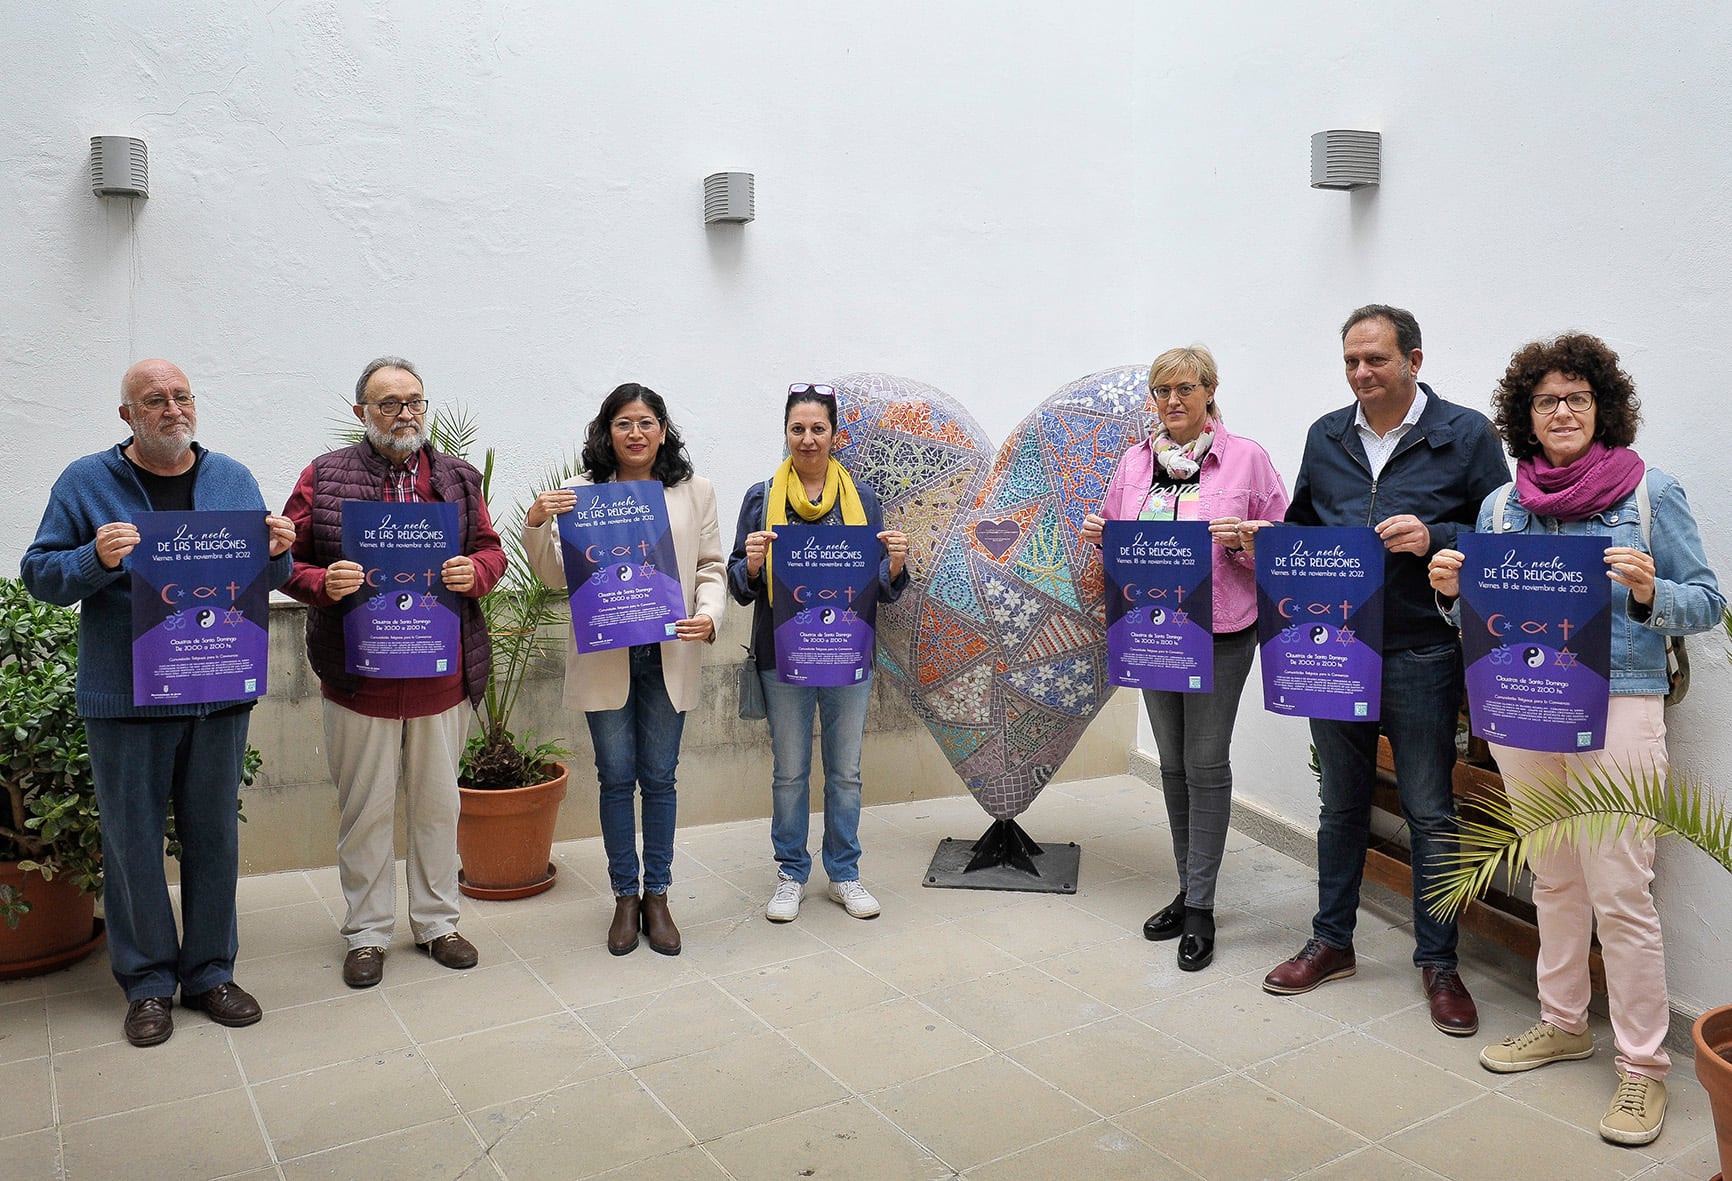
{"x": 1237, "y": 481}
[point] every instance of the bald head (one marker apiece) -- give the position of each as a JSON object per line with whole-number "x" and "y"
{"x": 151, "y": 372}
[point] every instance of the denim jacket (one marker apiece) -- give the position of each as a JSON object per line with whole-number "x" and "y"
{"x": 1687, "y": 597}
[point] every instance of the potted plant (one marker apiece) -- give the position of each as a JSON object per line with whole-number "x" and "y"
{"x": 50, "y": 840}
{"x": 511, "y": 785}
{"x": 1507, "y": 830}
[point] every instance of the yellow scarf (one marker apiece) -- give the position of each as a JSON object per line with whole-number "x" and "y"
{"x": 786, "y": 488}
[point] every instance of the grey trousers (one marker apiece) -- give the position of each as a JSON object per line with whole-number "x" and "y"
{"x": 1193, "y": 736}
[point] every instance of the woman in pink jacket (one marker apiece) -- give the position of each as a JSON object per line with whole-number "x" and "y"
{"x": 1192, "y": 469}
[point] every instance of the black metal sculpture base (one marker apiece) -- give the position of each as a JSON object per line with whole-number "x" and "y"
{"x": 1004, "y": 858}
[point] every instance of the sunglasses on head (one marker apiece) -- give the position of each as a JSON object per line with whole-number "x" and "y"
{"x": 823, "y": 391}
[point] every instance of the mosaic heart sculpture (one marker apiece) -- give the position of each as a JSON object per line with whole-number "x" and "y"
{"x": 1000, "y": 639}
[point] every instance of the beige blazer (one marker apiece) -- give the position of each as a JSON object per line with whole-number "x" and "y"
{"x": 601, "y": 680}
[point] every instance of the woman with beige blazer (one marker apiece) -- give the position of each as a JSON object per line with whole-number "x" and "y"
{"x": 635, "y": 699}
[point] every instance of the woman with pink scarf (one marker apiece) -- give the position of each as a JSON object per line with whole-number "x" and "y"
{"x": 1193, "y": 469}
{"x": 1568, "y": 414}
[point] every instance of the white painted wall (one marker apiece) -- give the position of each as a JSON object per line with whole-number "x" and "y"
{"x": 1546, "y": 166}
{"x": 992, "y": 197}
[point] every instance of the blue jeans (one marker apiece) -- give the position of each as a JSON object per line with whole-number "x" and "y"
{"x": 1422, "y": 690}
{"x": 638, "y": 746}
{"x": 841, "y": 711}
{"x": 1194, "y": 735}
{"x": 138, "y": 768}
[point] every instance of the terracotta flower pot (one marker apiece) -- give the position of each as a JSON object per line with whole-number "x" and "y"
{"x": 1713, "y": 1035}
{"x": 505, "y": 839}
{"x": 61, "y": 928}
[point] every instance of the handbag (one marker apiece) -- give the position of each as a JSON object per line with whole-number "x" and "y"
{"x": 752, "y": 705}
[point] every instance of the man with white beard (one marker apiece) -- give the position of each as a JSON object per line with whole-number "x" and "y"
{"x": 144, "y": 756}
{"x": 382, "y": 731}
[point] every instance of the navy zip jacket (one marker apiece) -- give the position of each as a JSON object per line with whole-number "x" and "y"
{"x": 1441, "y": 472}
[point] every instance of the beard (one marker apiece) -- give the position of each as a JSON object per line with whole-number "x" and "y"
{"x": 164, "y": 447}
{"x": 396, "y": 446}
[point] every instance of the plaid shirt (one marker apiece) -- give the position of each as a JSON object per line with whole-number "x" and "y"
{"x": 400, "y": 481}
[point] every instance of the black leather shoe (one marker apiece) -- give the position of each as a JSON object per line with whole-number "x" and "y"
{"x": 1168, "y": 923}
{"x": 1197, "y": 945}
{"x": 1195, "y": 952}
{"x": 149, "y": 1020}
{"x": 227, "y": 1004}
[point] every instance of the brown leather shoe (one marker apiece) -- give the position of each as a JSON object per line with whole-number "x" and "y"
{"x": 363, "y": 967}
{"x": 622, "y": 932}
{"x": 451, "y": 950}
{"x": 1452, "y": 1009}
{"x": 227, "y": 1004}
{"x": 149, "y": 1020}
{"x": 658, "y": 925}
{"x": 1317, "y": 963}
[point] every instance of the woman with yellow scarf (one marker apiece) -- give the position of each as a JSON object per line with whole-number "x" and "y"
{"x": 813, "y": 488}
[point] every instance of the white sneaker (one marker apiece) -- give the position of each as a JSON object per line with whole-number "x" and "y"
{"x": 784, "y": 904}
{"x": 855, "y": 898}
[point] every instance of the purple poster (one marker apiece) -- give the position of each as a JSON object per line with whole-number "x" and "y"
{"x": 402, "y": 622}
{"x": 1320, "y": 622}
{"x": 1160, "y": 605}
{"x": 621, "y": 566}
{"x": 1536, "y": 635}
{"x": 825, "y": 604}
{"x": 200, "y": 607}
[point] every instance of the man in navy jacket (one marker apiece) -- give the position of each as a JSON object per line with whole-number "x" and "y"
{"x": 1415, "y": 468}
{"x": 143, "y": 756}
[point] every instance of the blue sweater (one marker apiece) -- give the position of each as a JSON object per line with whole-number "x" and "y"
{"x": 60, "y": 567}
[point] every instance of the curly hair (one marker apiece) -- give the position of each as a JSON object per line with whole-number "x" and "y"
{"x": 1617, "y": 410}
{"x": 672, "y": 464}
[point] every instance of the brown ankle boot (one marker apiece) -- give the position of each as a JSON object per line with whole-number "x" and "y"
{"x": 658, "y": 924}
{"x": 622, "y": 934}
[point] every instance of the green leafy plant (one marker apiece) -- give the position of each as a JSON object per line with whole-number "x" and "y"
{"x": 1503, "y": 832}
{"x": 522, "y": 613}
{"x": 50, "y": 826}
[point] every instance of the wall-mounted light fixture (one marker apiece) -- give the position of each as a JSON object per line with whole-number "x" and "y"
{"x": 1346, "y": 159}
{"x": 729, "y": 196}
{"x": 119, "y": 166}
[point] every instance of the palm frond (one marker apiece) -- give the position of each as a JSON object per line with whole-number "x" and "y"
{"x": 1510, "y": 829}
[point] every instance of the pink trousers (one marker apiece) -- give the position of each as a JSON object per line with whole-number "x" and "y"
{"x": 1577, "y": 884}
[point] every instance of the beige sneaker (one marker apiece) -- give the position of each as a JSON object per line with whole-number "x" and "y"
{"x": 1544, "y": 1043}
{"x": 1637, "y": 1111}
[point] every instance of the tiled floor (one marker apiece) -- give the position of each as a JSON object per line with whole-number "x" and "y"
{"x": 978, "y": 1035}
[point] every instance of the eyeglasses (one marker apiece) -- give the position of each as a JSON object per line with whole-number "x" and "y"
{"x": 157, "y": 403}
{"x": 391, "y": 407}
{"x": 823, "y": 391}
{"x": 1547, "y": 404}
{"x": 645, "y": 426}
{"x": 1163, "y": 392}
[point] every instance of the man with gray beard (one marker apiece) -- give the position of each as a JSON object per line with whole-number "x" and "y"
{"x": 142, "y": 757}
{"x": 382, "y": 731}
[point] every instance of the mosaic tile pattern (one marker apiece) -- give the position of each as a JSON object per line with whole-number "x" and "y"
{"x": 1000, "y": 640}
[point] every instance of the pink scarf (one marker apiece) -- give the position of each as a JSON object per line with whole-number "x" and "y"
{"x": 1601, "y": 477}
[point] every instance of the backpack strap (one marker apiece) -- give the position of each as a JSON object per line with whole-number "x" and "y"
{"x": 1645, "y": 512}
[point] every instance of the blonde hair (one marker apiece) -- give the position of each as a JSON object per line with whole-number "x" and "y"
{"x": 1195, "y": 360}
